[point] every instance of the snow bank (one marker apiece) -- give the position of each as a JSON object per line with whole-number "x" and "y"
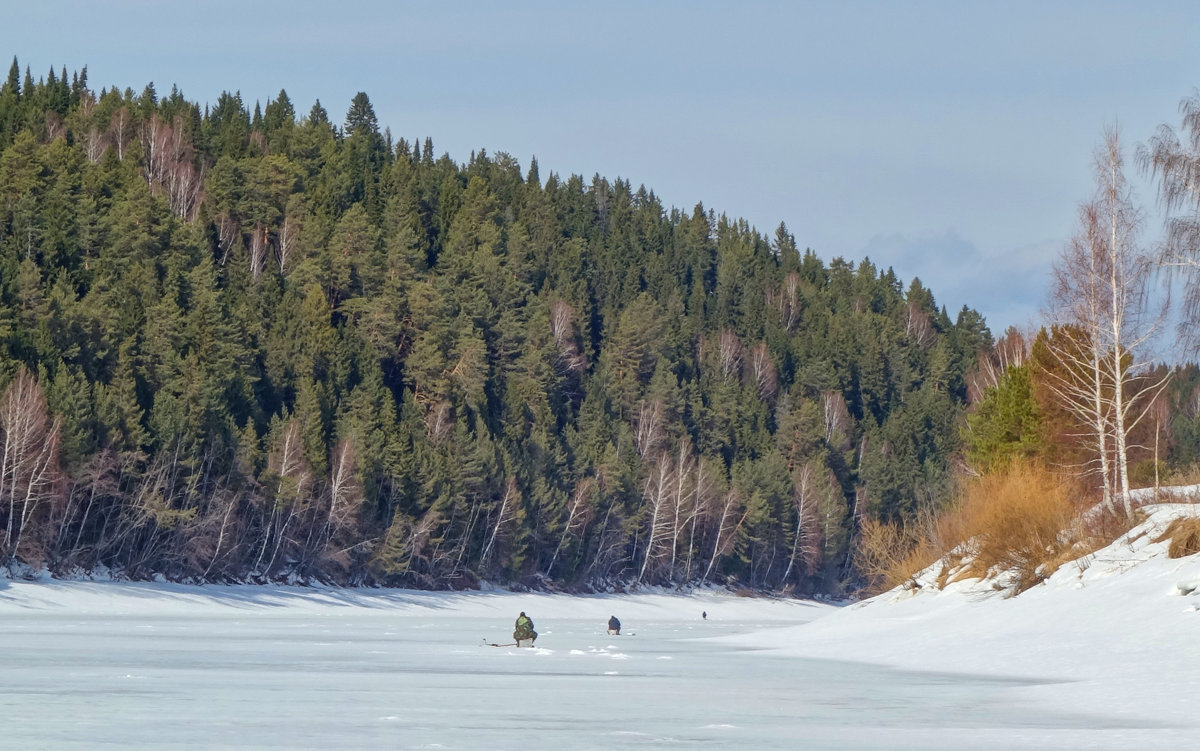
{"x": 1116, "y": 628}
{"x": 165, "y": 599}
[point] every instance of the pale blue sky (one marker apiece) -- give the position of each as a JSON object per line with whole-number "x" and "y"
{"x": 949, "y": 140}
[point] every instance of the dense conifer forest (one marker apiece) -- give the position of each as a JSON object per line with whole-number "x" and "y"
{"x": 242, "y": 343}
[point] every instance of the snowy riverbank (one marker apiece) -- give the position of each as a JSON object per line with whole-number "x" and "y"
{"x": 1115, "y": 633}
{"x": 132, "y": 599}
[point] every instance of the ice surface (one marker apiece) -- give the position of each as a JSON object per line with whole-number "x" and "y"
{"x": 1103, "y": 656}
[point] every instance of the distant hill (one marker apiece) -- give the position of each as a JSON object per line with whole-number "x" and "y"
{"x": 242, "y": 343}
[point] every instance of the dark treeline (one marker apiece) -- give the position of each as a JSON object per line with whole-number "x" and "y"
{"x": 243, "y": 344}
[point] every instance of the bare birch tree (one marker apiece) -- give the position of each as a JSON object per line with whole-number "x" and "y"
{"x": 917, "y": 325}
{"x": 836, "y": 419}
{"x": 119, "y": 129}
{"x": 227, "y": 525}
{"x": 704, "y": 494}
{"x": 95, "y": 144}
{"x": 789, "y": 301}
{"x": 730, "y": 353}
{"x": 1100, "y": 303}
{"x": 228, "y": 233}
{"x": 562, "y": 327}
{"x": 289, "y": 235}
{"x": 259, "y": 248}
{"x": 345, "y": 498}
{"x": 170, "y": 168}
{"x": 1175, "y": 165}
{"x": 29, "y": 470}
{"x": 682, "y": 511}
{"x": 766, "y": 377}
{"x": 650, "y": 429}
{"x": 578, "y": 515}
{"x": 505, "y": 515}
{"x": 1010, "y": 351}
{"x": 732, "y": 507}
{"x": 806, "y": 543}
{"x": 657, "y": 494}
{"x": 294, "y": 480}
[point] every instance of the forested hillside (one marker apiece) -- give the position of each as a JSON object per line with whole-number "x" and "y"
{"x": 246, "y": 343}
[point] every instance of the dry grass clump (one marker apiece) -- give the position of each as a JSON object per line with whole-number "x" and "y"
{"x": 890, "y": 555}
{"x": 1022, "y": 520}
{"x": 1184, "y": 534}
{"x": 1189, "y": 475}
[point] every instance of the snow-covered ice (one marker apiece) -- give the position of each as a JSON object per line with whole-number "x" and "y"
{"x": 1104, "y": 655}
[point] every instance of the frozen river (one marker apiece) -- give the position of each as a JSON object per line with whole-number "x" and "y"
{"x": 273, "y": 673}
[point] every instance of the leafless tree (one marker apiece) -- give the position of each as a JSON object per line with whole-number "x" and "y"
{"x": 406, "y": 550}
{"x": 650, "y": 429}
{"x": 562, "y": 327}
{"x": 344, "y": 494}
{"x": 170, "y": 168}
{"x": 95, "y": 144}
{"x": 1191, "y": 406}
{"x": 293, "y": 490}
{"x": 790, "y": 301}
{"x": 504, "y": 516}
{"x": 259, "y": 245}
{"x": 917, "y": 325}
{"x": 1011, "y": 350}
{"x": 766, "y": 377}
{"x": 1099, "y": 301}
{"x": 154, "y": 147}
{"x": 657, "y": 494}
{"x": 732, "y": 507}
{"x": 29, "y": 470}
{"x": 837, "y": 419}
{"x": 97, "y": 478}
{"x": 1160, "y": 413}
{"x": 439, "y": 421}
{"x": 156, "y": 524}
{"x": 730, "y": 352}
{"x": 228, "y": 526}
{"x": 1175, "y": 165}
{"x": 704, "y": 495}
{"x": 55, "y": 128}
{"x": 683, "y": 509}
{"x": 119, "y": 130}
{"x": 289, "y": 235}
{"x": 578, "y": 515}
{"x": 229, "y": 232}
{"x": 806, "y": 542}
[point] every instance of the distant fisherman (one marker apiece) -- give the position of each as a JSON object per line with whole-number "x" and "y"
{"x": 614, "y": 626}
{"x": 524, "y": 631}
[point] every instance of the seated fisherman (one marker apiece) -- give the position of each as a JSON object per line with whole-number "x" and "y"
{"x": 524, "y": 630}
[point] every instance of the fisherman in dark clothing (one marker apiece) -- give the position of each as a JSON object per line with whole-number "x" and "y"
{"x": 614, "y": 626}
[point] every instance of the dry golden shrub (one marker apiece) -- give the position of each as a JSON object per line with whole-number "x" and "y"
{"x": 1184, "y": 534}
{"x": 890, "y": 555}
{"x": 1017, "y": 519}
{"x": 1023, "y": 519}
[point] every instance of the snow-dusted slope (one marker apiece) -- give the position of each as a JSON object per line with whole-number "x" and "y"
{"x": 1116, "y": 632}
